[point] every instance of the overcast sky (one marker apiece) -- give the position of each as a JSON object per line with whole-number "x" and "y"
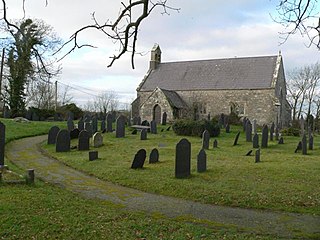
{"x": 203, "y": 29}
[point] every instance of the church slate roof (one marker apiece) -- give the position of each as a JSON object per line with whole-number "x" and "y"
{"x": 174, "y": 99}
{"x": 230, "y": 73}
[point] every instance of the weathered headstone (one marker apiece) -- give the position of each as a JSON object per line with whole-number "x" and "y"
{"x": 254, "y": 126}
{"x": 249, "y": 153}
{"x": 129, "y": 122}
{"x": 143, "y": 134}
{"x": 168, "y": 129}
{"x": 109, "y": 122}
{"x": 74, "y": 134}
{"x": 202, "y": 161}
{"x": 139, "y": 159}
{"x": 52, "y": 135}
{"x": 63, "y": 141}
{"x": 103, "y": 125}
{"x": 70, "y": 125}
{"x": 2, "y": 142}
{"x": 70, "y": 115}
{"x": 183, "y": 159}
{"x": 257, "y": 156}
{"x": 154, "y": 156}
{"x": 228, "y": 128}
{"x": 248, "y": 131}
{"x": 277, "y": 133}
{"x": 236, "y": 139}
{"x": 120, "y": 127}
{"x": 255, "y": 141}
{"x": 153, "y": 127}
{"x": 164, "y": 118}
{"x": 80, "y": 125}
{"x": 205, "y": 139}
{"x": 244, "y": 123}
{"x": 264, "y": 137}
{"x": 97, "y": 139}
{"x": 311, "y": 142}
{"x": 83, "y": 141}
{"x": 271, "y": 131}
{"x": 94, "y": 123}
{"x": 93, "y": 155}
{"x": 221, "y": 120}
{"x": 281, "y": 141}
{"x": 88, "y": 128}
{"x": 299, "y": 147}
{"x": 304, "y": 144}
{"x": 215, "y": 143}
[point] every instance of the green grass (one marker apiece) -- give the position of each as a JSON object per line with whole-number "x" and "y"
{"x": 43, "y": 211}
{"x": 282, "y": 181}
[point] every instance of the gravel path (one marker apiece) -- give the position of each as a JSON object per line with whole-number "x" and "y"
{"x": 26, "y": 154}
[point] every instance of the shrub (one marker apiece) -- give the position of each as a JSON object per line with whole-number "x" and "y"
{"x": 290, "y": 131}
{"x": 187, "y": 127}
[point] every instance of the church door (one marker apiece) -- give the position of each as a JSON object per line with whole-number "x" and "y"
{"x": 157, "y": 114}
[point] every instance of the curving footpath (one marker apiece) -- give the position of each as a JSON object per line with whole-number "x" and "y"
{"x": 26, "y": 153}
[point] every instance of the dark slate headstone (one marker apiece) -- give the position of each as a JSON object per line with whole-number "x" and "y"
{"x": 236, "y": 139}
{"x": 135, "y": 120}
{"x": 88, "y": 128}
{"x": 257, "y": 156}
{"x": 154, "y": 156}
{"x": 139, "y": 159}
{"x": 70, "y": 115}
{"x": 30, "y": 176}
{"x": 281, "y": 141}
{"x": 255, "y": 141}
{"x": 221, "y": 120}
{"x": 120, "y": 127}
{"x": 277, "y": 133}
{"x": 304, "y": 144}
{"x": 97, "y": 139}
{"x": 264, "y": 137}
{"x": 134, "y": 132}
{"x": 109, "y": 122}
{"x": 249, "y": 153}
{"x": 244, "y": 123}
{"x": 103, "y": 125}
{"x": 271, "y": 131}
{"x": 2, "y": 142}
{"x": 29, "y": 115}
{"x": 70, "y": 125}
{"x": 74, "y": 134}
{"x": 94, "y": 123}
{"x": 168, "y": 129}
{"x": 143, "y": 134}
{"x": 164, "y": 118}
{"x": 215, "y": 143}
{"x": 145, "y": 123}
{"x": 248, "y": 131}
{"x": 87, "y": 119}
{"x": 80, "y": 125}
{"x": 311, "y": 142}
{"x": 63, "y": 141}
{"x": 254, "y": 126}
{"x": 52, "y": 135}
{"x": 205, "y": 139}
{"x": 153, "y": 127}
{"x": 183, "y": 159}
{"x": 299, "y": 147}
{"x": 202, "y": 161}
{"x": 228, "y": 128}
{"x": 93, "y": 155}
{"x": 83, "y": 141}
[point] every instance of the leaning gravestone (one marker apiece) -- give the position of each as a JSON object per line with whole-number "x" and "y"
{"x": 154, "y": 156}
{"x": 143, "y": 134}
{"x": 164, "y": 118}
{"x": 139, "y": 159}
{"x": 83, "y": 142}
{"x": 248, "y": 131}
{"x": 205, "y": 139}
{"x": 120, "y": 128}
{"x": 88, "y": 128}
{"x": 255, "y": 141}
{"x": 264, "y": 137}
{"x": 52, "y": 135}
{"x": 304, "y": 144}
{"x": 74, "y": 134}
{"x": 97, "y": 140}
{"x": 2, "y": 142}
{"x": 299, "y": 147}
{"x": 153, "y": 127}
{"x": 109, "y": 122}
{"x": 249, "y": 153}
{"x": 63, "y": 141}
{"x": 202, "y": 161}
{"x": 183, "y": 159}
{"x": 311, "y": 142}
{"x": 80, "y": 125}
{"x": 70, "y": 125}
{"x": 257, "y": 156}
{"x": 271, "y": 131}
{"x": 236, "y": 139}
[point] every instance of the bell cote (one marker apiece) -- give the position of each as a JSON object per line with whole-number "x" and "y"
{"x": 155, "y": 57}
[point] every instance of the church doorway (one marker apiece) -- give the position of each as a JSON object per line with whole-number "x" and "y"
{"x": 157, "y": 114}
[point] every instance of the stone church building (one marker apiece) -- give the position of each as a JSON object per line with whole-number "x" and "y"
{"x": 253, "y": 87}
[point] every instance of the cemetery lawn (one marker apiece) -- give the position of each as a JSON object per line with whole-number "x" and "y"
{"x": 283, "y": 180}
{"x": 44, "y": 211}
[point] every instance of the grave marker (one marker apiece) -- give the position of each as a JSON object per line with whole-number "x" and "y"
{"x": 74, "y": 133}
{"x": 164, "y": 118}
{"x": 97, "y": 139}
{"x": 154, "y": 156}
{"x": 257, "y": 156}
{"x": 143, "y": 134}
{"x": 205, "y": 139}
{"x": 83, "y": 142}
{"x": 93, "y": 155}
{"x": 215, "y": 143}
{"x": 120, "y": 127}
{"x": 183, "y": 159}
{"x": 304, "y": 144}
{"x": 70, "y": 125}
{"x": 264, "y": 138}
{"x": 88, "y": 128}
{"x": 255, "y": 141}
{"x": 202, "y": 161}
{"x": 63, "y": 141}
{"x": 248, "y": 131}
{"x": 153, "y": 127}
{"x": 236, "y": 139}
{"x": 52, "y": 135}
{"x": 139, "y": 159}
{"x": 109, "y": 122}
{"x": 271, "y": 131}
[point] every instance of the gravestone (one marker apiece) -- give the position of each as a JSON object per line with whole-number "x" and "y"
{"x": 281, "y": 141}
{"x": 88, "y": 128}
{"x": 236, "y": 139}
{"x": 138, "y": 120}
{"x": 35, "y": 117}
{"x": 254, "y": 126}
{"x": 30, "y": 176}
{"x": 264, "y": 137}
{"x": 103, "y": 126}
{"x": 227, "y": 128}
{"x": 80, "y": 125}
{"x": 83, "y": 141}
{"x": 145, "y": 123}
{"x": 183, "y": 159}
{"x": 154, "y": 156}
{"x": 134, "y": 132}
{"x": 168, "y": 129}
{"x": 70, "y": 125}
{"x": 244, "y": 123}
{"x": 153, "y": 127}
{"x": 135, "y": 120}
{"x": 120, "y": 127}
{"x": 52, "y": 135}
{"x": 215, "y": 143}
{"x": 94, "y": 123}
{"x": 74, "y": 133}
{"x": 202, "y": 161}
{"x": 221, "y": 120}
{"x": 6, "y": 112}
{"x": 257, "y": 156}
{"x": 56, "y": 117}
{"x": 299, "y": 147}
{"x": 143, "y": 134}
{"x": 70, "y": 115}
{"x": 109, "y": 122}
{"x": 249, "y": 153}
{"x": 129, "y": 122}
{"x": 87, "y": 118}
{"x": 139, "y": 159}
{"x": 277, "y": 133}
{"x": 97, "y": 139}
{"x": 63, "y": 141}
{"x": 255, "y": 141}
{"x": 205, "y": 139}
{"x": 2, "y": 142}
{"x": 304, "y": 144}
{"x": 271, "y": 131}
{"x": 93, "y": 155}
{"x": 164, "y": 118}
{"x": 311, "y": 142}
{"x": 248, "y": 131}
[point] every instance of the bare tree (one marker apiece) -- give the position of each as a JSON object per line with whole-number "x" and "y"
{"x": 64, "y": 95}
